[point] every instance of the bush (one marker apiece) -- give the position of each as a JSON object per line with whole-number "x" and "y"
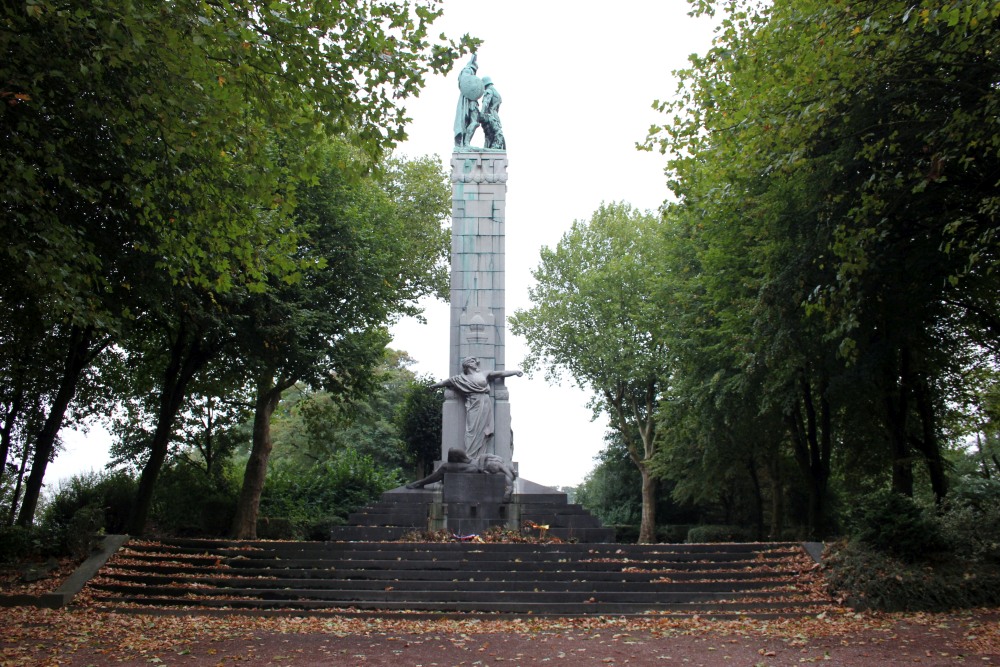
{"x": 703, "y": 534}
{"x": 675, "y": 533}
{"x": 83, "y": 506}
{"x": 894, "y": 524}
{"x": 18, "y": 543}
{"x": 969, "y": 523}
{"x": 626, "y": 533}
{"x": 188, "y": 502}
{"x": 325, "y": 491}
{"x": 866, "y": 578}
{"x": 276, "y": 528}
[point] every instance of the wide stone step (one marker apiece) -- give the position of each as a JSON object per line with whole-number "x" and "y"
{"x": 456, "y": 565}
{"x": 438, "y": 577}
{"x": 316, "y": 552}
{"x": 206, "y": 546}
{"x": 562, "y": 609}
{"x": 458, "y": 595}
{"x": 181, "y": 572}
{"x": 472, "y": 583}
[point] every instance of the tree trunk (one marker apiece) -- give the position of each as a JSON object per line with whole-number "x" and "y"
{"x": 896, "y": 399}
{"x": 25, "y": 455}
{"x": 187, "y": 356}
{"x": 78, "y": 356}
{"x": 777, "y": 499}
{"x": 811, "y": 439}
{"x": 637, "y": 425}
{"x": 647, "y": 526}
{"x": 758, "y": 498}
{"x": 6, "y": 433}
{"x": 929, "y": 444}
{"x": 245, "y": 521}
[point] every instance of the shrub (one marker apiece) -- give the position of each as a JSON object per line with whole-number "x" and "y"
{"x": 83, "y": 506}
{"x": 320, "y": 530}
{"x": 18, "y": 543}
{"x": 674, "y": 533}
{"x": 969, "y": 523}
{"x": 703, "y": 534}
{"x": 276, "y": 528}
{"x": 895, "y": 524}
{"x": 188, "y": 502}
{"x": 866, "y": 578}
{"x": 325, "y": 491}
{"x": 626, "y": 533}
{"x": 81, "y": 533}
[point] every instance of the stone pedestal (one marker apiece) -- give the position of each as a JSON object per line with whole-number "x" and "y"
{"x": 473, "y": 503}
{"x": 478, "y": 315}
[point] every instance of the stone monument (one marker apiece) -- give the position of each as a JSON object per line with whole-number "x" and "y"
{"x": 478, "y": 315}
{"x": 475, "y": 485}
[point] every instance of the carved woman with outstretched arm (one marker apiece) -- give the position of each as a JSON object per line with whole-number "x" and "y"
{"x": 474, "y": 385}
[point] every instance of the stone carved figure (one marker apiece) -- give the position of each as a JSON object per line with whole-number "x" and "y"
{"x": 470, "y": 89}
{"x": 475, "y": 388}
{"x": 489, "y": 117}
{"x": 458, "y": 461}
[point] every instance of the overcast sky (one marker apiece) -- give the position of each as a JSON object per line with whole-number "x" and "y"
{"x": 578, "y": 81}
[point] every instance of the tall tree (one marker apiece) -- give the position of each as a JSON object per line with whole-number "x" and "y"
{"x": 147, "y": 129}
{"x": 592, "y": 318}
{"x": 838, "y": 161}
{"x": 376, "y": 245}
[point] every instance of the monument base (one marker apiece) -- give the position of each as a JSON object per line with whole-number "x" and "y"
{"x": 467, "y": 504}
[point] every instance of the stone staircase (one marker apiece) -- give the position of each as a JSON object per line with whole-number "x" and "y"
{"x": 551, "y": 579}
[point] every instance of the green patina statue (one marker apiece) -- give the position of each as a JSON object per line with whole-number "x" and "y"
{"x": 470, "y": 89}
{"x": 490, "y": 116}
{"x": 469, "y": 116}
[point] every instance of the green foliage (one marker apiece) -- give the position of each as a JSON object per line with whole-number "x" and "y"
{"x": 867, "y": 578}
{"x": 418, "y": 419}
{"x": 612, "y": 490}
{"x": 109, "y": 492}
{"x": 333, "y": 488}
{"x": 705, "y": 534}
{"x": 969, "y": 523}
{"x": 592, "y": 317}
{"x": 894, "y": 524}
{"x": 311, "y": 426}
{"x": 825, "y": 156}
{"x": 83, "y": 506}
{"x": 20, "y": 543}
{"x": 153, "y": 157}
{"x": 673, "y": 533}
{"x": 190, "y": 503}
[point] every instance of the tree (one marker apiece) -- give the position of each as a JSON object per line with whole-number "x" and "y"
{"x": 835, "y": 164}
{"x": 376, "y": 245}
{"x": 593, "y": 318}
{"x": 144, "y": 133}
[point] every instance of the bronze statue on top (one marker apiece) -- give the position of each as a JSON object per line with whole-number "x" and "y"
{"x": 469, "y": 116}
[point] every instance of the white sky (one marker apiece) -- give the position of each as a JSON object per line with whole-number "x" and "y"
{"x": 578, "y": 80}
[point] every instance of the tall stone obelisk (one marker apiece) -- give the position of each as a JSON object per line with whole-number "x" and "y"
{"x": 478, "y": 315}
